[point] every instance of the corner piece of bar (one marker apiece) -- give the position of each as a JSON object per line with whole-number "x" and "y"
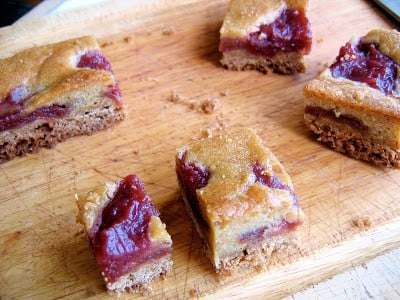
{"x": 131, "y": 244}
{"x": 240, "y": 198}
{"x": 353, "y": 106}
{"x": 266, "y": 35}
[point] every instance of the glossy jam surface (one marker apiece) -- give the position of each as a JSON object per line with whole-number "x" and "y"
{"x": 290, "y": 32}
{"x": 11, "y": 107}
{"x": 122, "y": 240}
{"x": 94, "y": 59}
{"x": 364, "y": 62}
{"x": 271, "y": 181}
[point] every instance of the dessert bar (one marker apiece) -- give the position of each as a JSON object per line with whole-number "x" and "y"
{"x": 240, "y": 198}
{"x": 266, "y": 34}
{"x": 354, "y": 105}
{"x": 53, "y": 92}
{"x": 130, "y": 242}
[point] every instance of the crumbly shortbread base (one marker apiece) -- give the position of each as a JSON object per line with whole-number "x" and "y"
{"x": 47, "y": 133}
{"x": 256, "y": 257}
{"x": 341, "y": 138}
{"x": 240, "y": 60}
{"x": 138, "y": 280}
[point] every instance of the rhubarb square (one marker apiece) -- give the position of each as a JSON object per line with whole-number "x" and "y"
{"x": 353, "y": 106}
{"x": 266, "y": 35}
{"x": 130, "y": 242}
{"x": 53, "y": 92}
{"x": 240, "y": 198}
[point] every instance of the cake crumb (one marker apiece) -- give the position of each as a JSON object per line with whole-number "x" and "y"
{"x": 175, "y": 97}
{"x": 208, "y": 106}
{"x": 362, "y": 223}
{"x": 128, "y": 38}
{"x": 320, "y": 40}
{"x": 194, "y": 293}
{"x": 168, "y": 30}
{"x": 225, "y": 93}
{"x": 106, "y": 44}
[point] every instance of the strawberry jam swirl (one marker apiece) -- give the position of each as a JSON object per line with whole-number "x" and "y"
{"x": 290, "y": 32}
{"x": 364, "y": 62}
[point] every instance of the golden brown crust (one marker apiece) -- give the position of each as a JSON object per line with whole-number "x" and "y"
{"x": 232, "y": 191}
{"x": 244, "y": 17}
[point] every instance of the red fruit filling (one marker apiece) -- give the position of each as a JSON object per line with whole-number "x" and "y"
{"x": 94, "y": 59}
{"x": 290, "y": 32}
{"x": 192, "y": 177}
{"x": 364, "y": 62}
{"x": 11, "y": 107}
{"x": 115, "y": 94}
{"x": 122, "y": 239}
{"x": 267, "y": 232}
{"x": 271, "y": 181}
{"x": 283, "y": 227}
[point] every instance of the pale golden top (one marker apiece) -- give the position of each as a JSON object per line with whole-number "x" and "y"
{"x": 244, "y": 17}
{"x": 50, "y": 71}
{"x": 232, "y": 191}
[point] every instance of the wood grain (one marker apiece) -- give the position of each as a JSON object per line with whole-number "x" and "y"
{"x": 44, "y": 253}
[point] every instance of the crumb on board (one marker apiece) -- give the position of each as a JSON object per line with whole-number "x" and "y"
{"x": 194, "y": 293}
{"x": 175, "y": 97}
{"x": 128, "y": 38}
{"x": 207, "y": 106}
{"x": 320, "y": 40}
{"x": 362, "y": 223}
{"x": 170, "y": 30}
{"x": 217, "y": 127}
{"x": 224, "y": 93}
{"x": 106, "y": 44}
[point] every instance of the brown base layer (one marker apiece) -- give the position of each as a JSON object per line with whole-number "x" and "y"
{"x": 240, "y": 60}
{"x": 47, "y": 133}
{"x": 342, "y": 138}
{"x": 138, "y": 281}
{"x": 256, "y": 257}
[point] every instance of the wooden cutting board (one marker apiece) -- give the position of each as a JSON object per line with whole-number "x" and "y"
{"x": 160, "y": 49}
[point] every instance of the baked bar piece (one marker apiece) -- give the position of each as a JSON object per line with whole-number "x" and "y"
{"x": 266, "y": 34}
{"x": 240, "y": 198}
{"x": 130, "y": 242}
{"x": 354, "y": 105}
{"x": 53, "y": 92}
